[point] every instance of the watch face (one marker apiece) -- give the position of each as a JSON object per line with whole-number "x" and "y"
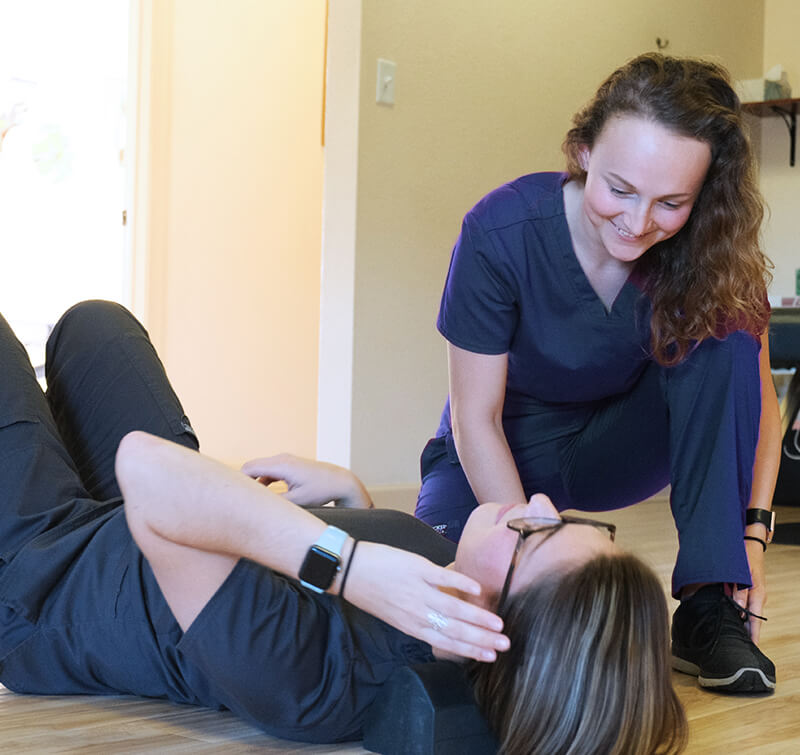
{"x": 319, "y": 568}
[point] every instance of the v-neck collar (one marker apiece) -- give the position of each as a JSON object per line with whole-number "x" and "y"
{"x": 585, "y": 293}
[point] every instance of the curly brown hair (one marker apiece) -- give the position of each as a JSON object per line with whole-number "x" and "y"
{"x": 588, "y": 670}
{"x": 710, "y": 278}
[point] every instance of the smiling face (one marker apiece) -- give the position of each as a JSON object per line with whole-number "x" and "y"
{"x": 641, "y": 183}
{"x": 487, "y": 547}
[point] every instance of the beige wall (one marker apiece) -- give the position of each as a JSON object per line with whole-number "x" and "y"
{"x": 780, "y": 182}
{"x": 228, "y": 245}
{"x": 484, "y": 92}
{"x": 228, "y": 263}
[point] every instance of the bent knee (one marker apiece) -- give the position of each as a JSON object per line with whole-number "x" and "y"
{"x": 93, "y": 312}
{"x": 89, "y": 323}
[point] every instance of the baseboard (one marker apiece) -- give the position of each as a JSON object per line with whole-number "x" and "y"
{"x": 661, "y": 497}
{"x": 404, "y": 497}
{"x": 398, "y": 497}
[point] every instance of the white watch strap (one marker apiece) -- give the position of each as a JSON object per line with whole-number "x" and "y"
{"x": 332, "y": 540}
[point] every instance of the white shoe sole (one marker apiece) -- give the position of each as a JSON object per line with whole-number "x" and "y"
{"x": 679, "y": 664}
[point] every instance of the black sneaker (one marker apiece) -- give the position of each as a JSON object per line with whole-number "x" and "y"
{"x": 710, "y": 641}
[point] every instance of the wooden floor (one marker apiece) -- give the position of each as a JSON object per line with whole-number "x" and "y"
{"x": 718, "y": 724}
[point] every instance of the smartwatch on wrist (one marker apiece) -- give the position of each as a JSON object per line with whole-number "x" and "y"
{"x": 762, "y": 516}
{"x": 323, "y": 560}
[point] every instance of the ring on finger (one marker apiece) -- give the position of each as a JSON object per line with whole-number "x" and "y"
{"x": 437, "y": 620}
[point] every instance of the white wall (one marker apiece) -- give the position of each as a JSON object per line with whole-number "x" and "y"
{"x": 780, "y": 182}
{"x": 339, "y": 233}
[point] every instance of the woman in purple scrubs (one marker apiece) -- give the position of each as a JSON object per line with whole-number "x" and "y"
{"x": 606, "y": 332}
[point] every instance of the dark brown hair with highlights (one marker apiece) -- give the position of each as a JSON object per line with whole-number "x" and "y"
{"x": 710, "y": 278}
{"x": 589, "y": 669}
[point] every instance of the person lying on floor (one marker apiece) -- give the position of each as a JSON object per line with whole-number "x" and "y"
{"x": 131, "y": 564}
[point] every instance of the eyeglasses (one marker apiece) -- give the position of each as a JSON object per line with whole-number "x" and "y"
{"x": 532, "y": 525}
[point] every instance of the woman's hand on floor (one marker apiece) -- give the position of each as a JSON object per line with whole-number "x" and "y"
{"x": 415, "y": 596}
{"x": 310, "y": 483}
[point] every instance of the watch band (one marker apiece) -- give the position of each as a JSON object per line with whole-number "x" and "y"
{"x": 332, "y": 540}
{"x": 762, "y": 516}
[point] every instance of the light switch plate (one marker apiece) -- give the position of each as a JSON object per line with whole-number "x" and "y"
{"x": 384, "y": 88}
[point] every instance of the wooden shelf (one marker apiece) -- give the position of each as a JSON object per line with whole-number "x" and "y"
{"x": 786, "y": 109}
{"x": 768, "y": 108}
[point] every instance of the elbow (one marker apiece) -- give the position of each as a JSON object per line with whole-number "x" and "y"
{"x": 471, "y": 425}
{"x": 460, "y": 430}
{"x": 134, "y": 465}
{"x": 130, "y": 460}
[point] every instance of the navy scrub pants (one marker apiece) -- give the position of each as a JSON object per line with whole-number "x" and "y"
{"x": 694, "y": 426}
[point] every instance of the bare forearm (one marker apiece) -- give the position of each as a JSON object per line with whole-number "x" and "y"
{"x": 488, "y": 463}
{"x": 768, "y": 453}
{"x": 193, "y": 501}
{"x": 765, "y": 472}
{"x": 477, "y": 395}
